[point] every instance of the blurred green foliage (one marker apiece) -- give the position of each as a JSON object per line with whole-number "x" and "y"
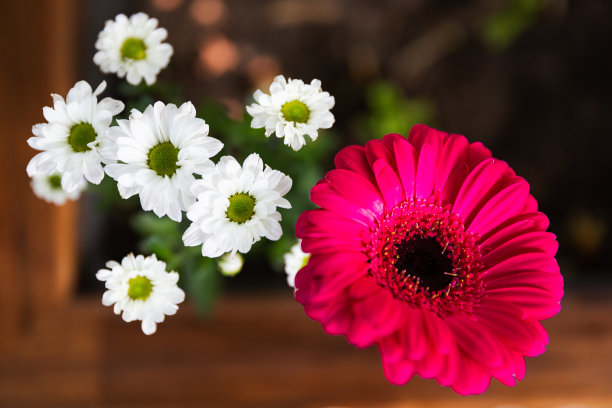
{"x": 390, "y": 111}
{"x": 161, "y": 236}
{"x": 501, "y": 29}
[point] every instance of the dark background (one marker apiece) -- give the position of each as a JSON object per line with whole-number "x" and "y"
{"x": 529, "y": 79}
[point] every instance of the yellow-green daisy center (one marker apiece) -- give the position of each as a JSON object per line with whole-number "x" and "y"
{"x": 140, "y": 288}
{"x": 133, "y": 48}
{"x": 163, "y": 159}
{"x": 241, "y": 208}
{"x": 305, "y": 261}
{"x": 295, "y": 111}
{"x": 55, "y": 182}
{"x": 80, "y": 136}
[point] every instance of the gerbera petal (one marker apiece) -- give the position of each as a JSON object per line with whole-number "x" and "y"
{"x": 398, "y": 372}
{"x": 421, "y": 134}
{"x": 537, "y": 303}
{"x": 432, "y": 362}
{"x": 502, "y": 206}
{"x": 326, "y": 197}
{"x": 322, "y": 243}
{"x": 389, "y": 139}
{"x": 505, "y": 372}
{"x": 471, "y": 379}
{"x": 536, "y": 241}
{"x": 425, "y": 173}
{"x": 363, "y": 288}
{"x": 508, "y": 322}
{"x": 337, "y": 319}
{"x": 454, "y": 274}
{"x": 412, "y": 334}
{"x": 448, "y": 372}
{"x": 552, "y": 282}
{"x": 520, "y": 224}
{"x": 388, "y": 183}
{"x": 475, "y": 340}
{"x": 360, "y": 332}
{"x": 512, "y": 370}
{"x": 530, "y": 261}
{"x": 477, "y": 153}
{"x": 323, "y": 308}
{"x": 454, "y": 183}
{"x": 453, "y": 154}
{"x": 377, "y": 150}
{"x": 321, "y": 221}
{"x": 391, "y": 347}
{"x": 356, "y": 187}
{"x": 531, "y": 205}
{"x": 478, "y": 185}
{"x": 405, "y": 157}
{"x": 381, "y": 303}
{"x": 438, "y": 332}
{"x": 353, "y": 158}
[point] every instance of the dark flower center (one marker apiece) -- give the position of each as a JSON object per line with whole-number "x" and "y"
{"x": 422, "y": 254}
{"x": 424, "y": 261}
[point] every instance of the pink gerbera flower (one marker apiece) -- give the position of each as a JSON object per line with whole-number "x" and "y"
{"x": 436, "y": 252}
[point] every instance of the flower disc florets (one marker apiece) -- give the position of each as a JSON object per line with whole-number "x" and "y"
{"x": 434, "y": 251}
{"x": 292, "y": 110}
{"x": 71, "y": 140}
{"x": 156, "y": 154}
{"x": 140, "y": 288}
{"x": 81, "y": 135}
{"x": 133, "y": 48}
{"x": 49, "y": 188}
{"x": 424, "y": 256}
{"x": 236, "y": 206}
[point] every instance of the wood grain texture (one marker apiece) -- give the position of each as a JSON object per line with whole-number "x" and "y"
{"x": 262, "y": 351}
{"x": 37, "y": 240}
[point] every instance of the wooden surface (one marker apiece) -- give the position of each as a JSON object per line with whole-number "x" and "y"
{"x": 262, "y": 351}
{"x": 37, "y": 240}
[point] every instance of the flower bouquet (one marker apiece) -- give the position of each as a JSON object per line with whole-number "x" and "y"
{"x": 424, "y": 245}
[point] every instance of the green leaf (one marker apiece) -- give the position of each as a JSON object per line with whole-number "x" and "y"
{"x": 202, "y": 281}
{"x": 500, "y": 30}
{"x": 147, "y": 223}
{"x": 390, "y": 111}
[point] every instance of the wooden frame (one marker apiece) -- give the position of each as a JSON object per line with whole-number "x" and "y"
{"x": 37, "y": 240}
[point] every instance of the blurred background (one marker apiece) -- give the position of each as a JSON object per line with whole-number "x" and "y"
{"x": 528, "y": 78}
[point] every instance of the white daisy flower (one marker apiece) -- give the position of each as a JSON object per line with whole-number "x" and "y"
{"x": 49, "y": 188}
{"x": 70, "y": 140}
{"x": 133, "y": 48}
{"x": 295, "y": 260}
{"x": 231, "y": 264}
{"x": 236, "y": 205}
{"x": 159, "y": 151}
{"x": 142, "y": 289}
{"x": 293, "y": 109}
